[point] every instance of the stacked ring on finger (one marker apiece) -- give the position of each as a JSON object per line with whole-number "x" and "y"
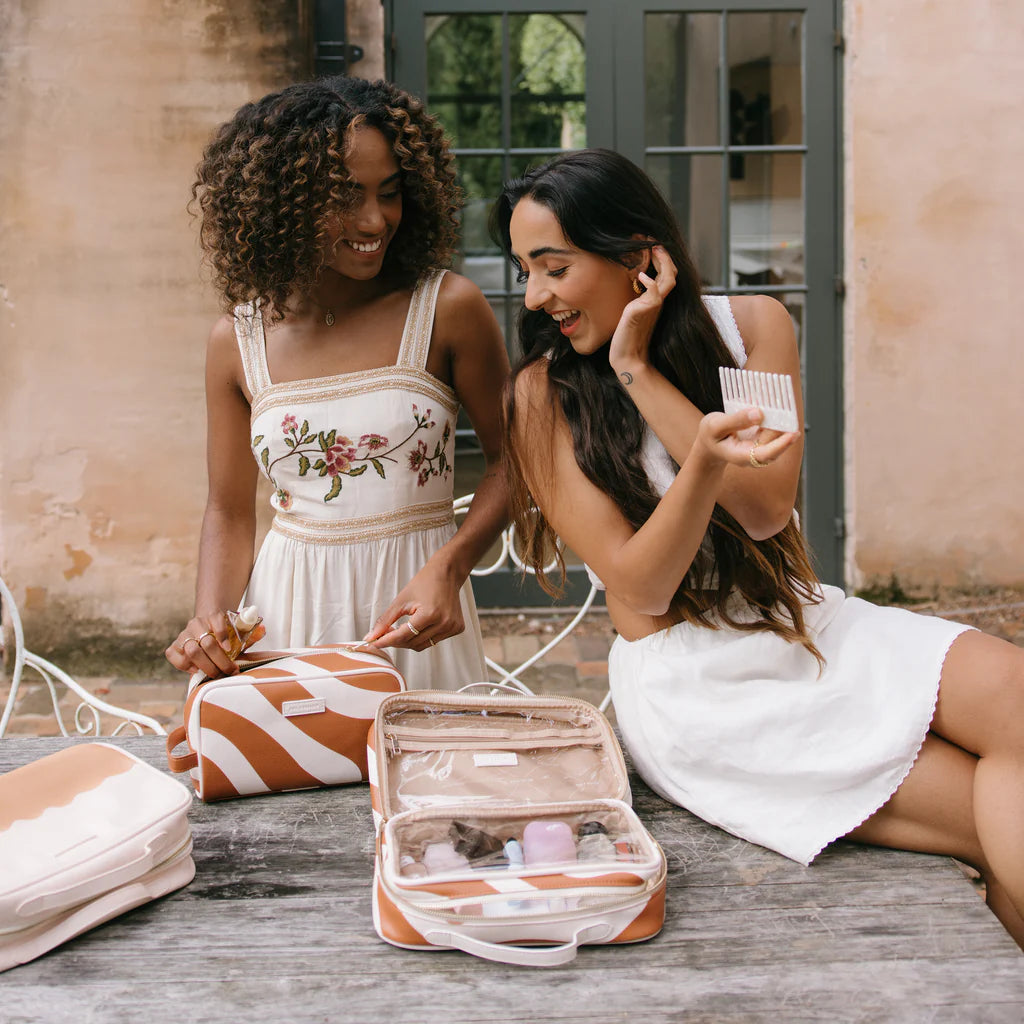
{"x": 754, "y": 460}
{"x": 412, "y": 628}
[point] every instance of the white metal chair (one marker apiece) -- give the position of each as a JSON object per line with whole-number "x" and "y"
{"x": 87, "y": 714}
{"x": 509, "y": 678}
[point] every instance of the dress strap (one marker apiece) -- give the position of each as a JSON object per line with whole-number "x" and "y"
{"x": 419, "y": 323}
{"x": 252, "y": 344}
{"x": 721, "y": 312}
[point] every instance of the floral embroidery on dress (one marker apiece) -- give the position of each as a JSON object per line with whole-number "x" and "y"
{"x": 337, "y": 456}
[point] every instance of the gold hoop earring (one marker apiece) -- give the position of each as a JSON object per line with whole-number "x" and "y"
{"x": 637, "y": 287}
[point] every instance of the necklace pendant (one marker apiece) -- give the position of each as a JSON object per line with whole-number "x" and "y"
{"x": 329, "y": 318}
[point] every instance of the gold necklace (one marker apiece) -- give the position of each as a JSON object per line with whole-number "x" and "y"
{"x": 328, "y": 313}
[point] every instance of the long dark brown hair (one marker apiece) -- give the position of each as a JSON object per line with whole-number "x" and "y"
{"x": 607, "y": 206}
{"x": 273, "y": 175}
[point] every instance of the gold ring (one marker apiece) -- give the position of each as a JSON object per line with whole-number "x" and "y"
{"x": 432, "y": 644}
{"x": 754, "y": 461}
{"x": 199, "y": 639}
{"x": 185, "y": 642}
{"x": 412, "y": 628}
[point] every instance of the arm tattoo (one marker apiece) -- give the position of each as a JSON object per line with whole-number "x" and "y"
{"x": 627, "y": 378}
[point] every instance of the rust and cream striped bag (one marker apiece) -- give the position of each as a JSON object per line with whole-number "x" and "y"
{"x": 295, "y": 719}
{"x": 504, "y": 829}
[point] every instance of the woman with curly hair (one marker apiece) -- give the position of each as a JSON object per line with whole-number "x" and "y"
{"x": 763, "y": 701}
{"x": 328, "y": 212}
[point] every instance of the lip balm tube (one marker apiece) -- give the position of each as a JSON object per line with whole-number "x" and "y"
{"x": 514, "y": 853}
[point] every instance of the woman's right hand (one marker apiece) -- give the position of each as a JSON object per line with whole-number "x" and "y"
{"x": 202, "y": 646}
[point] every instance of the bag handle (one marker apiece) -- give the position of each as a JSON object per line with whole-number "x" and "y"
{"x": 523, "y": 956}
{"x": 179, "y": 762}
{"x": 509, "y": 685}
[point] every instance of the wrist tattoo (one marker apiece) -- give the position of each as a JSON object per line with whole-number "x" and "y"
{"x": 627, "y": 377}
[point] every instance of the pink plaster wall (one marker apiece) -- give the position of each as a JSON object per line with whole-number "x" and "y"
{"x": 934, "y": 148}
{"x": 104, "y": 111}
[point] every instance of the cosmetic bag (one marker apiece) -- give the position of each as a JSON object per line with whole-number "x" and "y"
{"x": 86, "y": 834}
{"x": 295, "y": 719}
{"x": 504, "y": 829}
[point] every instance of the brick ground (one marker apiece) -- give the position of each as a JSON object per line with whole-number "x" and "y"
{"x": 560, "y": 671}
{"x": 578, "y": 666}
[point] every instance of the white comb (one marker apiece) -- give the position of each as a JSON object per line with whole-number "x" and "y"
{"x": 772, "y": 393}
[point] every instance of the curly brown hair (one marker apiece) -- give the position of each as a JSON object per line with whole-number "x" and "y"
{"x": 273, "y": 175}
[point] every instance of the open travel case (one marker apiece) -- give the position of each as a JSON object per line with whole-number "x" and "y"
{"x": 504, "y": 829}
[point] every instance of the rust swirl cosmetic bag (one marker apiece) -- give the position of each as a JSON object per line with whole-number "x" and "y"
{"x": 295, "y": 719}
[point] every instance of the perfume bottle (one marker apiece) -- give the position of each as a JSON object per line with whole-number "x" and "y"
{"x": 247, "y": 626}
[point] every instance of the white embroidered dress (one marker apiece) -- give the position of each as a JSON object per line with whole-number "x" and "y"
{"x": 741, "y": 729}
{"x": 361, "y": 466}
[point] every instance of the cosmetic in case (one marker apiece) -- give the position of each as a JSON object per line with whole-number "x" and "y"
{"x": 86, "y": 834}
{"x": 504, "y": 829}
{"x": 294, "y": 719}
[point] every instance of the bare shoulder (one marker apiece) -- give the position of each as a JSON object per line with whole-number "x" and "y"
{"x": 535, "y": 397}
{"x": 763, "y": 321}
{"x": 222, "y": 354}
{"x": 222, "y": 333}
{"x": 461, "y": 304}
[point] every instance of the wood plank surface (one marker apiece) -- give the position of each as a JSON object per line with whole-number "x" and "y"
{"x": 277, "y": 927}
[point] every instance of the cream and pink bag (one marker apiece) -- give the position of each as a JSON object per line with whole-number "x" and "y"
{"x": 295, "y": 719}
{"x": 86, "y": 834}
{"x": 504, "y": 829}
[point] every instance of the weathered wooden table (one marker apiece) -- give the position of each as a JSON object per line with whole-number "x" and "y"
{"x": 276, "y": 927}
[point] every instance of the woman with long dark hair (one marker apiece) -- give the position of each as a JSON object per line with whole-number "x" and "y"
{"x": 762, "y": 700}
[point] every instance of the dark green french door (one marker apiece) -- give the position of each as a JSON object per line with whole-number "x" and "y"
{"x": 732, "y": 109}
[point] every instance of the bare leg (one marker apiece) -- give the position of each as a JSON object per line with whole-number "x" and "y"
{"x": 965, "y": 797}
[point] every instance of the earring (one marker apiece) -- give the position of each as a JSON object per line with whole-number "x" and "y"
{"x": 637, "y": 287}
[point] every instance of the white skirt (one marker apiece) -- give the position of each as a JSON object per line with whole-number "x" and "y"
{"x": 740, "y": 728}
{"x": 330, "y": 593}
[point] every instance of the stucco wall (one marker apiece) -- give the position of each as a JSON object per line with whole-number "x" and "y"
{"x": 934, "y": 149}
{"x": 104, "y": 110}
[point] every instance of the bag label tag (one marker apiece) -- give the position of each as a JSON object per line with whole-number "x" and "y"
{"x": 312, "y": 706}
{"x": 495, "y": 759}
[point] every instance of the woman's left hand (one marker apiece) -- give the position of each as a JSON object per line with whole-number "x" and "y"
{"x": 632, "y": 336}
{"x": 431, "y": 608}
{"x": 727, "y": 437}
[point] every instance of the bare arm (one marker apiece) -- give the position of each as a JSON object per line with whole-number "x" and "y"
{"x": 467, "y": 331}
{"x": 763, "y": 505}
{"x": 229, "y": 523}
{"x": 640, "y": 568}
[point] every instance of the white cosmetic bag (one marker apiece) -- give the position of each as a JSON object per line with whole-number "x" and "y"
{"x": 86, "y": 834}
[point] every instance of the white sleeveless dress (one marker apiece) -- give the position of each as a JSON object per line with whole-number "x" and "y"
{"x": 741, "y": 729}
{"x": 361, "y": 466}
